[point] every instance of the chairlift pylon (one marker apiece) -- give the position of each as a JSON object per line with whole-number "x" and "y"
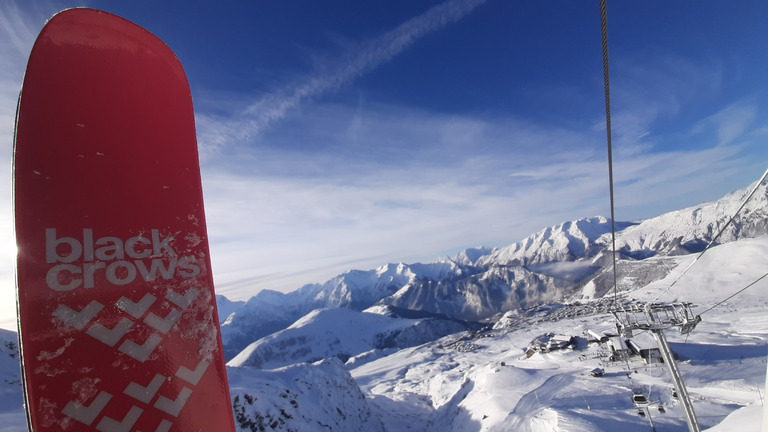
{"x": 657, "y": 317}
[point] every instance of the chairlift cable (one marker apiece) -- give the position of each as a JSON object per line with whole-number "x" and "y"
{"x": 606, "y": 84}
{"x": 717, "y": 236}
{"x": 735, "y": 294}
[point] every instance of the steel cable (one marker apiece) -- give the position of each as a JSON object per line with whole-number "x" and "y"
{"x": 734, "y": 294}
{"x": 717, "y": 236}
{"x": 607, "y": 86}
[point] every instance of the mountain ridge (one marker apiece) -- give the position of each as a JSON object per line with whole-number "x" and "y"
{"x": 565, "y": 261}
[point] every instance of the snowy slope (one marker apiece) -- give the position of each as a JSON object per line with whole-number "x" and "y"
{"x": 483, "y": 382}
{"x": 678, "y": 232}
{"x": 340, "y": 333}
{"x": 690, "y": 229}
{"x": 301, "y": 398}
{"x": 265, "y": 313}
{"x": 470, "y": 256}
{"x": 480, "y": 295}
{"x": 270, "y": 311}
{"x": 226, "y": 307}
{"x": 568, "y": 241}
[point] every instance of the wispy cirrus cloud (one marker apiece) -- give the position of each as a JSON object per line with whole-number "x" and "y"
{"x": 650, "y": 89}
{"x": 409, "y": 185}
{"x": 335, "y": 73}
{"x": 374, "y": 183}
{"x": 18, "y": 33}
{"x": 730, "y": 123}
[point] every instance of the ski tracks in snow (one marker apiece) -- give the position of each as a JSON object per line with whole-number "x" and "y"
{"x": 520, "y": 419}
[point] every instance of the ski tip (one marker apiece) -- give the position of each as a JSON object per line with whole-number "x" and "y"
{"x": 96, "y": 28}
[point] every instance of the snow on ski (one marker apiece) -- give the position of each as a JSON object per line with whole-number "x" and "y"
{"x": 117, "y": 314}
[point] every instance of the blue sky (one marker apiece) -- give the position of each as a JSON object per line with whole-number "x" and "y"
{"x": 348, "y": 134}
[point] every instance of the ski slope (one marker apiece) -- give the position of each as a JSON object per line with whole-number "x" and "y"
{"x": 486, "y": 383}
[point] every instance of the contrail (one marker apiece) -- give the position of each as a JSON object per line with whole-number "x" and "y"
{"x": 371, "y": 55}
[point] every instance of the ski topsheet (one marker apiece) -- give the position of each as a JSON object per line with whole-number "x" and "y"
{"x": 117, "y": 314}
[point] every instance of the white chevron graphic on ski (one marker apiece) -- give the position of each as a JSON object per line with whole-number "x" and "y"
{"x": 145, "y": 393}
{"x": 143, "y": 351}
{"x": 136, "y": 309}
{"x": 77, "y": 319}
{"x": 173, "y": 407}
{"x": 193, "y": 376}
{"x": 87, "y": 414}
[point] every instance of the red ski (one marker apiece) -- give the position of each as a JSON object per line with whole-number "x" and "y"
{"x": 117, "y": 314}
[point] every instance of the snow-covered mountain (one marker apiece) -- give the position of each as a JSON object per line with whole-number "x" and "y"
{"x": 487, "y": 292}
{"x": 567, "y": 261}
{"x": 225, "y": 307}
{"x": 691, "y": 229}
{"x": 569, "y": 241}
{"x": 271, "y": 311}
{"x": 485, "y": 381}
{"x": 300, "y": 398}
{"x": 341, "y": 333}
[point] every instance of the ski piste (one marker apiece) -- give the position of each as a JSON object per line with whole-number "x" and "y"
{"x": 117, "y": 314}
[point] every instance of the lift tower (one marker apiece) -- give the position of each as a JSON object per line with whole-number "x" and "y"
{"x": 657, "y": 317}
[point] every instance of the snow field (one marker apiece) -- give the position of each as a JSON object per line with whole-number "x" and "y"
{"x": 429, "y": 388}
{"x": 300, "y": 398}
